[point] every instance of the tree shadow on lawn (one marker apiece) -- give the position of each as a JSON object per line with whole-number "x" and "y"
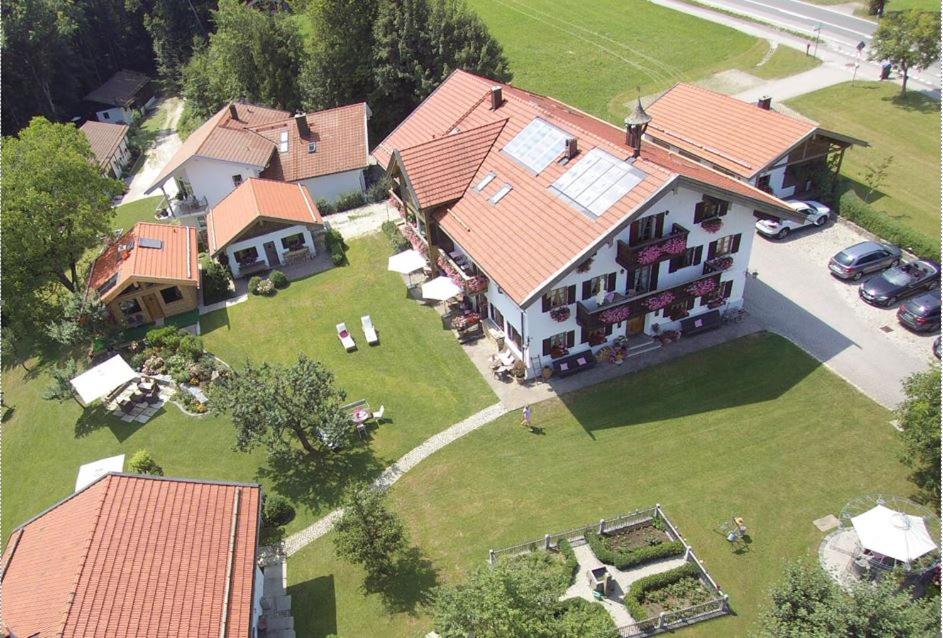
{"x": 318, "y": 482}
{"x": 409, "y": 587}
{"x": 97, "y": 417}
{"x": 915, "y": 101}
{"x": 314, "y": 606}
{"x": 753, "y": 369}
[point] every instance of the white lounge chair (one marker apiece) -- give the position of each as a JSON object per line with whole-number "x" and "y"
{"x": 378, "y": 415}
{"x": 369, "y": 331}
{"x": 344, "y": 335}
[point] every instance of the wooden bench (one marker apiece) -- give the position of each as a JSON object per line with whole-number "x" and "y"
{"x": 700, "y": 323}
{"x": 571, "y": 364}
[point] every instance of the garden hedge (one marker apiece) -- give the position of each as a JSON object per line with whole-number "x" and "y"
{"x": 655, "y": 581}
{"x": 856, "y": 210}
{"x": 635, "y": 557}
{"x": 570, "y": 565}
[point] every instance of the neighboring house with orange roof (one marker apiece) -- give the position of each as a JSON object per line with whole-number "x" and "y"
{"x": 566, "y": 231}
{"x": 775, "y": 152}
{"x": 122, "y": 95}
{"x": 110, "y": 145}
{"x": 151, "y": 272}
{"x": 326, "y": 151}
{"x": 136, "y": 555}
{"x": 265, "y": 224}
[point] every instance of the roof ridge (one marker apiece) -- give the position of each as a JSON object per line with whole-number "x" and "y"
{"x": 702, "y": 89}
{"x": 87, "y": 548}
{"x": 468, "y": 111}
{"x": 455, "y": 136}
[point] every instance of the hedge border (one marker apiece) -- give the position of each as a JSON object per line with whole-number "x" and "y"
{"x": 640, "y": 556}
{"x": 570, "y": 566}
{"x": 856, "y": 210}
{"x": 655, "y": 581}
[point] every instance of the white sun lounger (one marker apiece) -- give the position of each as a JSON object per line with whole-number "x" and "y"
{"x": 344, "y": 335}
{"x": 369, "y": 331}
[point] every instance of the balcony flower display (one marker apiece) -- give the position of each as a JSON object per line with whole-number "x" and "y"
{"x": 712, "y": 225}
{"x": 560, "y": 313}
{"x": 659, "y": 301}
{"x": 450, "y": 271}
{"x": 398, "y": 205}
{"x": 476, "y": 284}
{"x": 674, "y": 246}
{"x": 701, "y": 288}
{"x": 417, "y": 242}
{"x": 614, "y": 315}
{"x": 649, "y": 255}
{"x": 719, "y": 264}
{"x": 655, "y": 252}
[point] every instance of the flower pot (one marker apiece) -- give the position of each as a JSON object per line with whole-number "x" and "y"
{"x": 547, "y": 372}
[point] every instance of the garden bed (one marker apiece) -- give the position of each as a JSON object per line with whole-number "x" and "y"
{"x": 628, "y": 539}
{"x": 635, "y": 545}
{"x": 681, "y": 594}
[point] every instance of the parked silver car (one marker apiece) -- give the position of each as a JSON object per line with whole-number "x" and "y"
{"x": 861, "y": 259}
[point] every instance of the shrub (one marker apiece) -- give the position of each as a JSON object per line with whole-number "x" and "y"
{"x": 638, "y": 589}
{"x": 335, "y": 241}
{"x": 354, "y": 199}
{"x": 137, "y": 360}
{"x": 166, "y": 337}
{"x": 254, "y": 284}
{"x": 216, "y": 278}
{"x": 854, "y": 209}
{"x": 570, "y": 566}
{"x": 178, "y": 367}
{"x": 635, "y": 557}
{"x": 380, "y": 190}
{"x": 190, "y": 346}
{"x": 265, "y": 287}
{"x": 397, "y": 242}
{"x": 143, "y": 463}
{"x": 325, "y": 207}
{"x": 337, "y": 258}
{"x": 277, "y": 511}
{"x": 278, "y": 279}
{"x": 152, "y": 364}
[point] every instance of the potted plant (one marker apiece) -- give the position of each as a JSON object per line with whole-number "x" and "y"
{"x": 519, "y": 371}
{"x": 547, "y": 372}
{"x": 712, "y": 225}
{"x": 560, "y": 313}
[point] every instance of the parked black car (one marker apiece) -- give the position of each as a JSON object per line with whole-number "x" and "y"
{"x": 921, "y": 313}
{"x": 902, "y": 281}
{"x": 936, "y": 347}
{"x": 861, "y": 259}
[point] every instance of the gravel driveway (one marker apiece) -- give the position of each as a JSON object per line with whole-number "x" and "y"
{"x": 157, "y": 156}
{"x": 794, "y": 295}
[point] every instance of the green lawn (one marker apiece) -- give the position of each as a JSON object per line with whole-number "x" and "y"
{"x": 784, "y": 62}
{"x": 754, "y": 428}
{"x": 907, "y": 128}
{"x": 593, "y": 55}
{"x": 159, "y": 120}
{"x": 142, "y": 210}
{"x": 418, "y": 372}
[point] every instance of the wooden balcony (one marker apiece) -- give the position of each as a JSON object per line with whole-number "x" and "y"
{"x": 623, "y": 307}
{"x": 653, "y": 251}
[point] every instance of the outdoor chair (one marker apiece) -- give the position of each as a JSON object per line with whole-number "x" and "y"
{"x": 126, "y": 406}
{"x": 378, "y": 415}
{"x": 153, "y": 396}
{"x": 369, "y": 331}
{"x": 344, "y": 335}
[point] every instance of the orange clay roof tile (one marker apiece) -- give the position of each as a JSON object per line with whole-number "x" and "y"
{"x": 175, "y": 261}
{"x": 733, "y": 134}
{"x": 133, "y": 556}
{"x": 259, "y": 199}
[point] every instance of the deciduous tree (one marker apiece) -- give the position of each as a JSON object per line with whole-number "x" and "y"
{"x": 909, "y": 39}
{"x": 368, "y": 533}
{"x": 919, "y": 419}
{"x": 281, "y": 407}
{"x": 143, "y": 463}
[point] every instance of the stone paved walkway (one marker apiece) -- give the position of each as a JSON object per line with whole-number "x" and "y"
{"x": 392, "y": 474}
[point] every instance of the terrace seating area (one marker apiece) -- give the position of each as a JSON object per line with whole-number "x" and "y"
{"x": 139, "y": 400}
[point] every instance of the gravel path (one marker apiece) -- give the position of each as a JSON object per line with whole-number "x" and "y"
{"x": 158, "y": 155}
{"x": 319, "y": 528}
{"x": 362, "y": 221}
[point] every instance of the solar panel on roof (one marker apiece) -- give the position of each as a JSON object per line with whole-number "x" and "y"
{"x": 147, "y": 242}
{"x": 537, "y": 145}
{"x": 597, "y": 181}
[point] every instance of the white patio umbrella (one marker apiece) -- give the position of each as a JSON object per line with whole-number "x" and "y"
{"x": 406, "y": 262}
{"x": 440, "y": 289}
{"x": 102, "y": 379}
{"x": 891, "y": 533}
{"x": 91, "y": 472}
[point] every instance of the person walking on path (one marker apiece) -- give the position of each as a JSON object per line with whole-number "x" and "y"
{"x": 526, "y": 416}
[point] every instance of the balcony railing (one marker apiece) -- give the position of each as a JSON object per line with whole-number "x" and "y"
{"x": 622, "y": 307}
{"x": 466, "y": 276}
{"x": 653, "y": 251}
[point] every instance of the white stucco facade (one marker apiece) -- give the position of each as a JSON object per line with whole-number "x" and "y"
{"x": 330, "y": 187}
{"x": 115, "y": 115}
{"x": 213, "y": 179}
{"x": 678, "y": 205}
{"x": 259, "y": 242}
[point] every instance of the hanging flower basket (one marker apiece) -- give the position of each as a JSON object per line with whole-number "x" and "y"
{"x": 476, "y": 284}
{"x": 614, "y": 315}
{"x": 701, "y": 288}
{"x": 649, "y": 255}
{"x": 560, "y": 313}
{"x": 720, "y": 264}
{"x": 585, "y": 266}
{"x": 712, "y": 225}
{"x": 675, "y": 246}
{"x": 659, "y": 301}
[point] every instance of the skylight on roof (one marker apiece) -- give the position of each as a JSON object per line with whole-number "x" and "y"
{"x": 283, "y": 142}
{"x": 484, "y": 182}
{"x": 147, "y": 242}
{"x": 597, "y": 181}
{"x": 497, "y": 197}
{"x": 537, "y": 145}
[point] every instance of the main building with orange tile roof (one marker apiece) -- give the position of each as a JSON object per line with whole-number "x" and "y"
{"x": 567, "y": 231}
{"x": 326, "y": 151}
{"x": 134, "y": 555}
{"x": 149, "y": 273}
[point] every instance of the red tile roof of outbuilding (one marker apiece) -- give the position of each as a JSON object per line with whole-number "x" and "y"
{"x": 104, "y": 139}
{"x": 133, "y": 556}
{"x": 532, "y": 235}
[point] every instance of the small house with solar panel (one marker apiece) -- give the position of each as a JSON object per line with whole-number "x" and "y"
{"x": 568, "y": 234}
{"x": 150, "y": 273}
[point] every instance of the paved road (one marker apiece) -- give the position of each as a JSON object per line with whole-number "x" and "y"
{"x": 804, "y": 16}
{"x": 795, "y": 296}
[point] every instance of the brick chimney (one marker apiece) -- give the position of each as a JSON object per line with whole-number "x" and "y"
{"x": 301, "y": 120}
{"x": 765, "y": 102}
{"x": 572, "y": 147}
{"x": 496, "y": 98}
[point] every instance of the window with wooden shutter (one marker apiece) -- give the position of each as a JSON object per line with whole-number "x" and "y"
{"x": 697, "y": 255}
{"x": 587, "y": 289}
{"x": 545, "y": 303}
{"x": 571, "y": 294}
{"x": 559, "y": 297}
{"x": 675, "y": 263}
{"x": 712, "y": 250}
{"x": 699, "y": 212}
{"x": 727, "y": 289}
{"x": 660, "y": 224}
{"x": 736, "y": 244}
{"x": 570, "y": 337}
{"x": 546, "y": 347}
{"x": 611, "y": 282}
{"x": 725, "y": 245}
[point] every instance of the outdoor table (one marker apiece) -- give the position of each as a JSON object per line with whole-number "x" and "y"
{"x": 146, "y": 386}
{"x": 137, "y": 397}
{"x": 360, "y": 415}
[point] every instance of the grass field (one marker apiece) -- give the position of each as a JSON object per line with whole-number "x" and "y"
{"x": 142, "y": 210}
{"x": 785, "y": 61}
{"x": 754, "y": 428}
{"x": 418, "y": 372}
{"x": 907, "y": 128}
